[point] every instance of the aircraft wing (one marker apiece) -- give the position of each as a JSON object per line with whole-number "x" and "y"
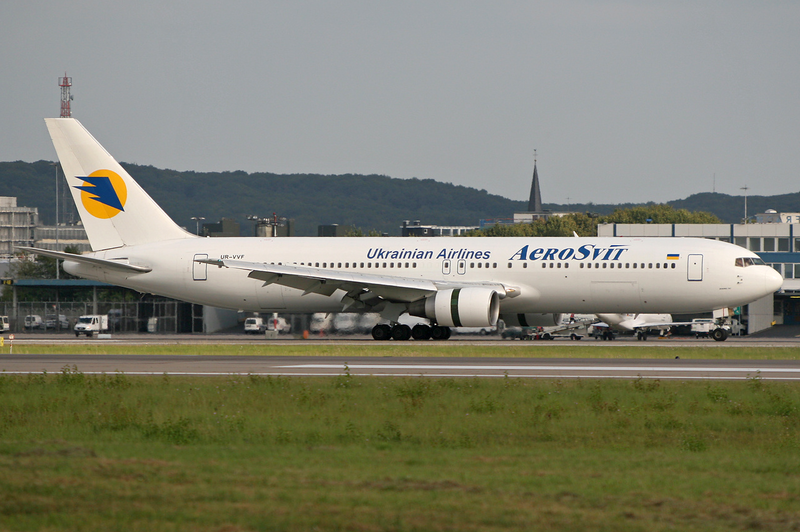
{"x": 326, "y": 281}
{"x": 659, "y": 324}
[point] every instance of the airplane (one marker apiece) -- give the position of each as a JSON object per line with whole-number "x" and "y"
{"x": 639, "y": 323}
{"x": 451, "y": 282}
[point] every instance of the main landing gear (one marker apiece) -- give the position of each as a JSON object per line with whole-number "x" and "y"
{"x": 401, "y": 332}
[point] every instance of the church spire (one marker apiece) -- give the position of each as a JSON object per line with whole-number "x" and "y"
{"x": 535, "y": 201}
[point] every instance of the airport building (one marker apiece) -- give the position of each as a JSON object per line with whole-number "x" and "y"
{"x": 417, "y": 229}
{"x": 17, "y": 225}
{"x": 775, "y": 238}
{"x": 58, "y": 238}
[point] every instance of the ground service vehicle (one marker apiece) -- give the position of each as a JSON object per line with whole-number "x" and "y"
{"x": 90, "y": 324}
{"x": 4, "y": 325}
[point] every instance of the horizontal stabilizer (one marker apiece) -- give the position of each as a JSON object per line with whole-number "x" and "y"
{"x": 102, "y": 263}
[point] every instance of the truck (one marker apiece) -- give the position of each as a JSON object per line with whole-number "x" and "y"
{"x": 90, "y": 324}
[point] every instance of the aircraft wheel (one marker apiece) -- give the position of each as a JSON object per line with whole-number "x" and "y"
{"x": 719, "y": 335}
{"x": 401, "y": 332}
{"x": 382, "y": 332}
{"x": 440, "y": 333}
{"x": 421, "y": 331}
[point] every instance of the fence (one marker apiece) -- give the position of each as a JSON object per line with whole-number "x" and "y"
{"x": 155, "y": 316}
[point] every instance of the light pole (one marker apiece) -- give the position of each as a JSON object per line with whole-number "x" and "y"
{"x": 58, "y": 248}
{"x": 745, "y": 188}
{"x": 197, "y": 220}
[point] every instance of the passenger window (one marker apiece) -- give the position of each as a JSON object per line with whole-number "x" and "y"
{"x": 524, "y": 264}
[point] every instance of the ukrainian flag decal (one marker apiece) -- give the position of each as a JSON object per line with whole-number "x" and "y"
{"x": 673, "y": 256}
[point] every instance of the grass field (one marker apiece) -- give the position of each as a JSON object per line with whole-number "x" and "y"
{"x": 113, "y": 452}
{"x": 653, "y": 349}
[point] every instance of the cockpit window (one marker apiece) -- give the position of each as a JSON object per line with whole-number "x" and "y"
{"x": 744, "y": 262}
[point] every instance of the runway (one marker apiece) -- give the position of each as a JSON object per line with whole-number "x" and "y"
{"x": 291, "y": 366}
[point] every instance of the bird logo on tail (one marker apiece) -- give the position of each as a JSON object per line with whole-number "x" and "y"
{"x": 103, "y": 193}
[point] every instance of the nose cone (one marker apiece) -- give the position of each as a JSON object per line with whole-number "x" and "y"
{"x": 773, "y": 281}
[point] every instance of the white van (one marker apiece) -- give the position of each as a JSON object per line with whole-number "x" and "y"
{"x": 254, "y": 326}
{"x": 33, "y": 321}
{"x": 4, "y": 326}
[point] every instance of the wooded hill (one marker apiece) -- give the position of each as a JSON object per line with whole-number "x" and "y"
{"x": 368, "y": 202}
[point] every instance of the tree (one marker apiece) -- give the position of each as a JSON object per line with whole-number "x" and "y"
{"x": 586, "y": 224}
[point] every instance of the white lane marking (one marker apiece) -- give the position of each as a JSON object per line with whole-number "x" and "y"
{"x": 541, "y": 368}
{"x": 433, "y": 375}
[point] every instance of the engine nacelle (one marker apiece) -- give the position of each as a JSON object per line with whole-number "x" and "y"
{"x": 531, "y": 320}
{"x": 459, "y": 307}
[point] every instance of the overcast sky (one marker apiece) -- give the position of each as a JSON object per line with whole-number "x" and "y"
{"x": 624, "y": 101}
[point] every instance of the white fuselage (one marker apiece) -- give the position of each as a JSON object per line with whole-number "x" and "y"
{"x": 586, "y": 275}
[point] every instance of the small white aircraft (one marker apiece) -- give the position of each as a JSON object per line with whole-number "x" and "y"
{"x": 451, "y": 282}
{"x": 640, "y": 323}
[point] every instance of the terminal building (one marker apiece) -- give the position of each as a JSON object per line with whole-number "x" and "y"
{"x": 775, "y": 238}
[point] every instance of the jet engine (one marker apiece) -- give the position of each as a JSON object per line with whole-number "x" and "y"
{"x": 459, "y": 307}
{"x": 531, "y": 320}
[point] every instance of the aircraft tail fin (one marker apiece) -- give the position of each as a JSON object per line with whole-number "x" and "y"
{"x": 114, "y": 209}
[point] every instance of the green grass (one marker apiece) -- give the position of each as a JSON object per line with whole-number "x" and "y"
{"x": 113, "y": 452}
{"x": 431, "y": 349}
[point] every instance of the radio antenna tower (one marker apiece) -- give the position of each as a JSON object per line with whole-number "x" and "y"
{"x": 65, "y": 83}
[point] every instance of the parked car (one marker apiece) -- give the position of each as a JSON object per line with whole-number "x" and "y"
{"x": 278, "y": 324}
{"x": 56, "y": 322}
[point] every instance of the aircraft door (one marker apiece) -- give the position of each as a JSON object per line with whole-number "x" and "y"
{"x": 446, "y": 267}
{"x": 199, "y": 269}
{"x": 462, "y": 267}
{"x": 695, "y": 268}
